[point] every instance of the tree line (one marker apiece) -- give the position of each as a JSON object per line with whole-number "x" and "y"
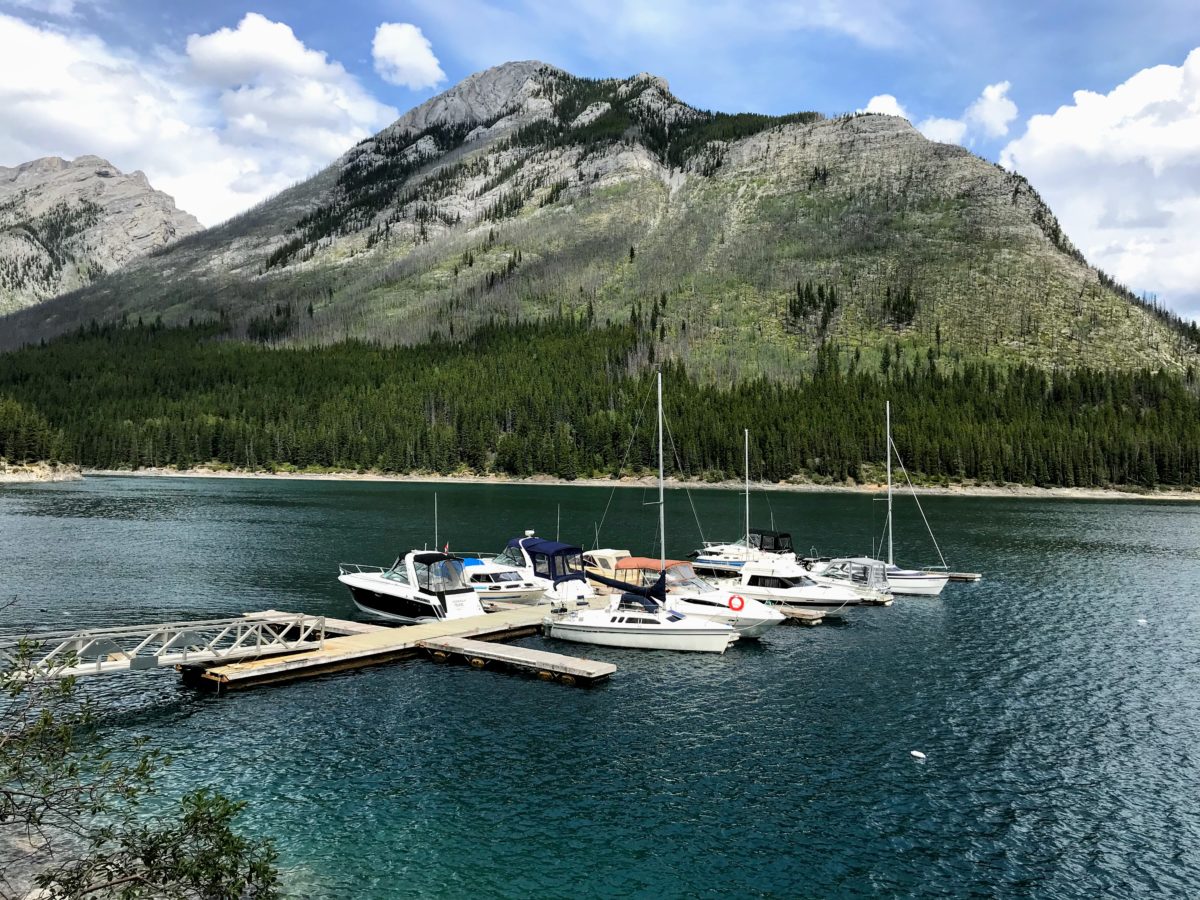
{"x": 565, "y": 399}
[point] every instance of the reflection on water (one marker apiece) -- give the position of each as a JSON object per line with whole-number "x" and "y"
{"x": 1060, "y": 733}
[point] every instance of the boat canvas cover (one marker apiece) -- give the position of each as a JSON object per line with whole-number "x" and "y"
{"x": 555, "y": 555}
{"x": 656, "y": 593}
{"x": 771, "y": 541}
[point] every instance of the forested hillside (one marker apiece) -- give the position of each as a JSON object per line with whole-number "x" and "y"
{"x": 751, "y": 243}
{"x": 563, "y": 398}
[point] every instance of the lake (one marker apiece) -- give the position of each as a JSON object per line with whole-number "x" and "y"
{"x": 1057, "y": 701}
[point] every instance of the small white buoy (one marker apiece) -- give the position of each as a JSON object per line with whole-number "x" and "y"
{"x": 916, "y": 754}
{"x": 1143, "y": 622}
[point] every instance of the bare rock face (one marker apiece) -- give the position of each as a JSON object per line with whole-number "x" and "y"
{"x": 64, "y": 223}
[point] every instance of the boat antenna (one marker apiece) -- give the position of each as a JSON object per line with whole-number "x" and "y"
{"x": 662, "y": 515}
{"x": 888, "y": 407}
{"x": 746, "y": 435}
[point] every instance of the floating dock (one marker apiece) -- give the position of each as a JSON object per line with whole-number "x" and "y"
{"x": 964, "y": 576}
{"x": 795, "y": 616}
{"x": 546, "y": 666}
{"x": 372, "y": 645}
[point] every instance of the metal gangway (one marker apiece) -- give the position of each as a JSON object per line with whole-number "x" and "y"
{"x": 100, "y": 651}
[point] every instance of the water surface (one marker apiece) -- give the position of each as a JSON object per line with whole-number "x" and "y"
{"x": 1061, "y": 734}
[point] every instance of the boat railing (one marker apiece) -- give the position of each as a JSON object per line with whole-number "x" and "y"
{"x": 356, "y": 569}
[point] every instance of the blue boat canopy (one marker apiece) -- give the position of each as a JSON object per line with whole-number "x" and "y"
{"x": 558, "y": 562}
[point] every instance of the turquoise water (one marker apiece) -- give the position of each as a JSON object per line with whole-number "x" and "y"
{"x": 1061, "y": 734}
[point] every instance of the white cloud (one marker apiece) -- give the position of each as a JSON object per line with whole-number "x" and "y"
{"x": 944, "y": 131}
{"x": 239, "y": 116}
{"x": 1122, "y": 172}
{"x": 993, "y": 110}
{"x": 989, "y": 114}
{"x": 885, "y": 104}
{"x": 404, "y": 56}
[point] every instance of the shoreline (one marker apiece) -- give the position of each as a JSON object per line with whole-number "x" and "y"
{"x": 965, "y": 490}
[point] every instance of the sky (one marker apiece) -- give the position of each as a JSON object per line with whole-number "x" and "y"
{"x": 223, "y": 104}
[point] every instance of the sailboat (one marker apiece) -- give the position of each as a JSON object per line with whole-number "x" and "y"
{"x": 638, "y": 617}
{"x": 913, "y": 582}
{"x": 756, "y": 545}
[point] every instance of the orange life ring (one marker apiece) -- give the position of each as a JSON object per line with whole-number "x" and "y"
{"x": 736, "y": 603}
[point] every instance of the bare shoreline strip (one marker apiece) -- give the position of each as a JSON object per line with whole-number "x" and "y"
{"x": 1012, "y": 490}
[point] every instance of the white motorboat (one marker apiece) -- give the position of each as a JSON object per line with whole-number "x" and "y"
{"x": 493, "y": 581}
{"x": 559, "y": 567}
{"x": 865, "y": 576}
{"x": 421, "y": 586}
{"x": 691, "y": 595}
{"x": 638, "y": 617}
{"x": 789, "y": 584}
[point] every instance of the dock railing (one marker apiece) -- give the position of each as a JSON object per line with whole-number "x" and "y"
{"x": 132, "y": 648}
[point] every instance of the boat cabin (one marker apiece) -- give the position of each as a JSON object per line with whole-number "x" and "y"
{"x": 642, "y": 571}
{"x": 548, "y": 559}
{"x": 430, "y": 572}
{"x": 859, "y": 571}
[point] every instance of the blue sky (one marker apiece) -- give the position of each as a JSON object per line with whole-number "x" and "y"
{"x": 970, "y": 72}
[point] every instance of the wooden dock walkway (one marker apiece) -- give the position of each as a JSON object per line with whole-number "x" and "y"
{"x": 367, "y": 646}
{"x": 546, "y": 666}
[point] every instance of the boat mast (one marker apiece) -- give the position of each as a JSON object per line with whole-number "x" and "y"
{"x": 662, "y": 516}
{"x": 435, "y": 521}
{"x": 888, "y": 407}
{"x": 746, "y": 434}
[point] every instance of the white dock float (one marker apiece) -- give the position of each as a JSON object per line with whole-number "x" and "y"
{"x": 546, "y": 666}
{"x": 794, "y": 616}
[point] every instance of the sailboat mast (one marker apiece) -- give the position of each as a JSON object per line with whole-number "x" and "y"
{"x": 746, "y": 433}
{"x": 662, "y": 515}
{"x": 891, "y": 557}
{"x": 435, "y": 521}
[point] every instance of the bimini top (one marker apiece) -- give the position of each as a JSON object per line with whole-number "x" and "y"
{"x": 539, "y": 545}
{"x": 552, "y": 560}
{"x": 771, "y": 541}
{"x": 645, "y": 562}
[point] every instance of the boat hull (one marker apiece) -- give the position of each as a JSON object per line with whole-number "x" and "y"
{"x": 917, "y": 585}
{"x": 693, "y": 640}
{"x": 390, "y": 607}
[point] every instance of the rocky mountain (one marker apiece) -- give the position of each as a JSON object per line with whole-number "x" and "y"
{"x": 743, "y": 244}
{"x": 65, "y": 223}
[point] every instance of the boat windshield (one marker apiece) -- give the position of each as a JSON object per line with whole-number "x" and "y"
{"x": 440, "y": 576}
{"x": 683, "y": 577}
{"x": 511, "y": 556}
{"x": 506, "y": 576}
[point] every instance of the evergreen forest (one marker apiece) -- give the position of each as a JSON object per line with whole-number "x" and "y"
{"x": 565, "y": 399}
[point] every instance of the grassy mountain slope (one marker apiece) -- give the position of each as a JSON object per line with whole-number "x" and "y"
{"x": 745, "y": 242}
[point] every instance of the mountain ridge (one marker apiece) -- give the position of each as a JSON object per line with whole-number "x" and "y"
{"x": 64, "y": 223}
{"x": 744, "y": 244}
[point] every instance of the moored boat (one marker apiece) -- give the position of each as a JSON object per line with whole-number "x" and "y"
{"x": 492, "y": 581}
{"x": 421, "y": 586}
{"x": 789, "y": 584}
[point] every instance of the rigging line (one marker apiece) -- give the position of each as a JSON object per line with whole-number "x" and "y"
{"x": 620, "y": 468}
{"x": 919, "y": 509}
{"x": 686, "y": 489}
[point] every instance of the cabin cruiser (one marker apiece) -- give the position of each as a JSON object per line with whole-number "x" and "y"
{"x": 559, "y": 567}
{"x": 866, "y": 577}
{"x": 421, "y": 586}
{"x": 493, "y": 581}
{"x": 691, "y": 595}
{"x": 757, "y": 546}
{"x": 789, "y": 584}
{"x": 638, "y": 618}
